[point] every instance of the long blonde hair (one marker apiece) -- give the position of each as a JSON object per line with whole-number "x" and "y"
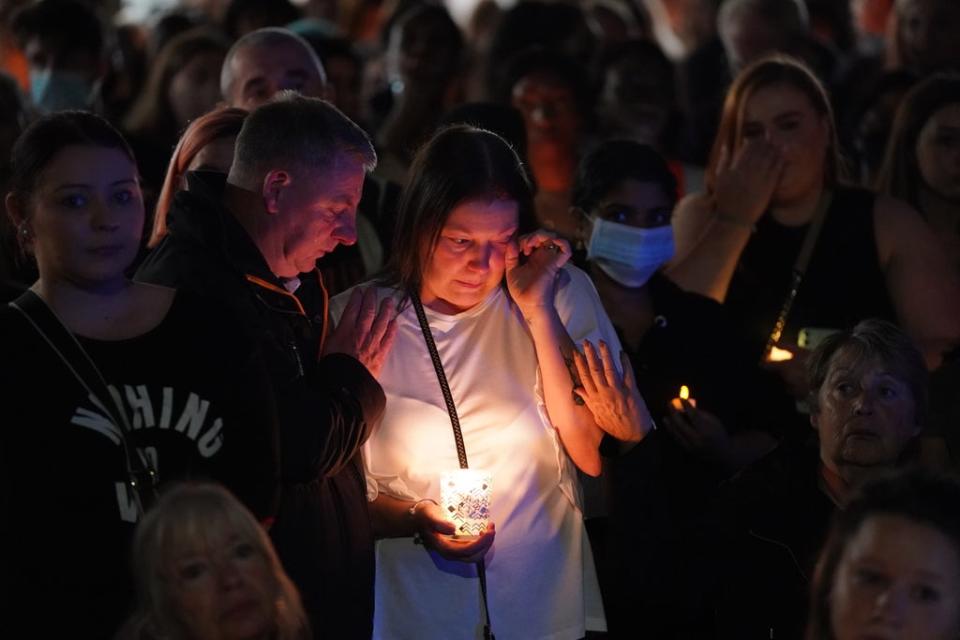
{"x": 768, "y": 71}
{"x": 184, "y": 515}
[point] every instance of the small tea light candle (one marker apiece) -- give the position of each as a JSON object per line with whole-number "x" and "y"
{"x": 465, "y": 500}
{"x": 779, "y": 355}
{"x": 683, "y": 395}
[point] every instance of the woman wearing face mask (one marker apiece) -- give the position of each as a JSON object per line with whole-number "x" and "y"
{"x": 624, "y": 191}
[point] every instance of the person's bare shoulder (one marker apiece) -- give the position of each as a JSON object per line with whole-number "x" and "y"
{"x": 690, "y": 218}
{"x": 899, "y": 228}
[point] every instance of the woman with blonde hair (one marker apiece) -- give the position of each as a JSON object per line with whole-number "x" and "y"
{"x": 205, "y": 569}
{"x": 781, "y": 240}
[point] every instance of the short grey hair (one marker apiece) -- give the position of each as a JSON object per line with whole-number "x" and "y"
{"x": 873, "y": 339}
{"x": 264, "y": 39}
{"x": 789, "y": 17}
{"x": 294, "y": 130}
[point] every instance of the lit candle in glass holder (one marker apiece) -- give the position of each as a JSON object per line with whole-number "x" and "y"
{"x": 683, "y": 395}
{"x": 465, "y": 500}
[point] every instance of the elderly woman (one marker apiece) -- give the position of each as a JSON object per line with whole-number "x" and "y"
{"x": 206, "y": 570}
{"x": 891, "y": 564}
{"x": 868, "y": 401}
{"x": 504, "y": 354}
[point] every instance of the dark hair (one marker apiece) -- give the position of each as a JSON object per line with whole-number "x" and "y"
{"x": 295, "y": 129}
{"x": 556, "y": 66}
{"x": 556, "y": 26}
{"x": 13, "y": 107}
{"x": 46, "y": 137}
{"x": 71, "y": 25}
{"x": 766, "y": 72}
{"x": 650, "y": 53}
{"x": 502, "y": 119}
{"x": 873, "y": 339}
{"x": 437, "y": 13}
{"x": 266, "y": 13}
{"x": 900, "y": 174}
{"x": 789, "y": 17}
{"x": 169, "y": 25}
{"x": 660, "y": 85}
{"x": 459, "y": 163}
{"x": 152, "y": 114}
{"x": 614, "y": 161}
{"x": 919, "y": 495}
{"x": 328, "y": 47}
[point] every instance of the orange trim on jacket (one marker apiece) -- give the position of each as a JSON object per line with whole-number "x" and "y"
{"x": 260, "y": 282}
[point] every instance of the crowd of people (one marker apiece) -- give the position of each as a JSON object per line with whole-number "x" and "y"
{"x": 678, "y": 279}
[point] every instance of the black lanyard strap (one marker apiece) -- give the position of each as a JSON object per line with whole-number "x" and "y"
{"x": 457, "y": 436}
{"x": 141, "y": 475}
{"x": 442, "y": 379}
{"x": 799, "y": 270}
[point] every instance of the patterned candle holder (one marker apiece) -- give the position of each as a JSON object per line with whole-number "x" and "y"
{"x": 465, "y": 500}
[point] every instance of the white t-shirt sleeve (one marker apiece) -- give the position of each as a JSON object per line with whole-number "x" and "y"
{"x": 581, "y": 312}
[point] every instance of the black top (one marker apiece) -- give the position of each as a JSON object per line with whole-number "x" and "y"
{"x": 199, "y": 408}
{"x": 843, "y": 284}
{"x": 776, "y": 516}
{"x": 660, "y": 492}
{"x": 327, "y": 406}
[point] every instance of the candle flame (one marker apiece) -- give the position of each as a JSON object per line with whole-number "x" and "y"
{"x": 779, "y": 355}
{"x": 684, "y": 392}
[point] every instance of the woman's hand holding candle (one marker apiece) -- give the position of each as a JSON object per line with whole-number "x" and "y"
{"x": 791, "y": 368}
{"x": 616, "y": 403}
{"x": 436, "y": 532}
{"x": 698, "y": 431}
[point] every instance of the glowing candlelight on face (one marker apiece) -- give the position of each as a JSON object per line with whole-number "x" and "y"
{"x": 465, "y": 500}
{"x": 779, "y": 355}
{"x": 683, "y": 395}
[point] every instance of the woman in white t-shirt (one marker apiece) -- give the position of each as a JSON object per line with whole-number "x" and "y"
{"x": 504, "y": 311}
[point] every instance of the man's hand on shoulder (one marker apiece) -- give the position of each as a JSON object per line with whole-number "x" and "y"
{"x": 365, "y": 331}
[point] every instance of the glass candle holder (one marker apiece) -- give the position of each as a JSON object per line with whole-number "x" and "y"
{"x": 465, "y": 500}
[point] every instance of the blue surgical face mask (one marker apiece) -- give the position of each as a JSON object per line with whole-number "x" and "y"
{"x": 53, "y": 90}
{"x": 629, "y": 255}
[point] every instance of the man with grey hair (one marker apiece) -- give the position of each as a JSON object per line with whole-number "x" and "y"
{"x": 267, "y": 61}
{"x": 249, "y": 240}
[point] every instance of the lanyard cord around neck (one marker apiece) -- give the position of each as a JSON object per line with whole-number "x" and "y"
{"x": 799, "y": 269}
{"x": 457, "y": 436}
{"x": 141, "y": 476}
{"x": 442, "y": 379}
